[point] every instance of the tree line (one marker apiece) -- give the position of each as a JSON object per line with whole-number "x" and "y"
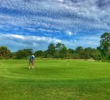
{"x": 102, "y": 52}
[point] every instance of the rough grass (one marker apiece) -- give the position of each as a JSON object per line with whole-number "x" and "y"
{"x": 54, "y": 80}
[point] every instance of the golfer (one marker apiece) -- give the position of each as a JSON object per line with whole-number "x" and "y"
{"x": 31, "y": 61}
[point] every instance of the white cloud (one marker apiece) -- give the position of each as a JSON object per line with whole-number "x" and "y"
{"x": 15, "y": 42}
{"x": 69, "y": 33}
{"x": 14, "y": 36}
{"x": 61, "y": 0}
{"x": 31, "y": 38}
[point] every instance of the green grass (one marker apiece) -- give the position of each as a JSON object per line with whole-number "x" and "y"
{"x": 54, "y": 80}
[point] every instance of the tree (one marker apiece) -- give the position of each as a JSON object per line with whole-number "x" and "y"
{"x": 88, "y": 53}
{"x": 25, "y": 53}
{"x": 63, "y": 52}
{"x": 108, "y": 54}
{"x": 59, "y": 46}
{"x": 20, "y": 54}
{"x": 51, "y": 50}
{"x": 76, "y": 56}
{"x": 5, "y": 52}
{"x": 70, "y": 53}
{"x": 39, "y": 53}
{"x": 45, "y": 54}
{"x": 28, "y": 52}
{"x": 96, "y": 54}
{"x": 79, "y": 50}
{"x": 60, "y": 50}
{"x": 104, "y": 45}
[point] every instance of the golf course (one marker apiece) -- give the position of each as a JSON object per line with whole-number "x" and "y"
{"x": 54, "y": 79}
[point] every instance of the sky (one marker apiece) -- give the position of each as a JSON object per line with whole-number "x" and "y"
{"x": 35, "y": 24}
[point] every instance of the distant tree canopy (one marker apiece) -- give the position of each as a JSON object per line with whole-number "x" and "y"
{"x": 25, "y": 53}
{"x": 60, "y": 51}
{"x": 39, "y": 53}
{"x": 5, "y": 52}
{"x": 105, "y": 45}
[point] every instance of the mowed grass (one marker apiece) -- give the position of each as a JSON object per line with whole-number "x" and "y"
{"x": 54, "y": 80}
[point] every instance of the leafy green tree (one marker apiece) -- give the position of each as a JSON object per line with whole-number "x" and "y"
{"x": 5, "y": 52}
{"x": 57, "y": 50}
{"x": 108, "y": 54}
{"x": 76, "y": 56}
{"x": 39, "y": 53}
{"x": 80, "y": 51}
{"x": 51, "y": 50}
{"x": 59, "y": 46}
{"x": 60, "y": 50}
{"x": 25, "y": 53}
{"x": 105, "y": 45}
{"x": 88, "y": 52}
{"x": 20, "y": 54}
{"x": 28, "y": 52}
{"x": 70, "y": 53}
{"x": 96, "y": 54}
{"x": 63, "y": 52}
{"x": 45, "y": 54}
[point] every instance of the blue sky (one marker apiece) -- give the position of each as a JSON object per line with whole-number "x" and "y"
{"x": 37, "y": 23}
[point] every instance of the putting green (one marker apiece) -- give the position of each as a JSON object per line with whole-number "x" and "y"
{"x": 54, "y": 80}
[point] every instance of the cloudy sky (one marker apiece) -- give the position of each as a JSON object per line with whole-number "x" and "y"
{"x": 37, "y": 23}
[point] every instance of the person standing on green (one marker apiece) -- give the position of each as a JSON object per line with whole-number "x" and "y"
{"x": 31, "y": 61}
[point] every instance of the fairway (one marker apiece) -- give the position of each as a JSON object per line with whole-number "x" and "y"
{"x": 54, "y": 80}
